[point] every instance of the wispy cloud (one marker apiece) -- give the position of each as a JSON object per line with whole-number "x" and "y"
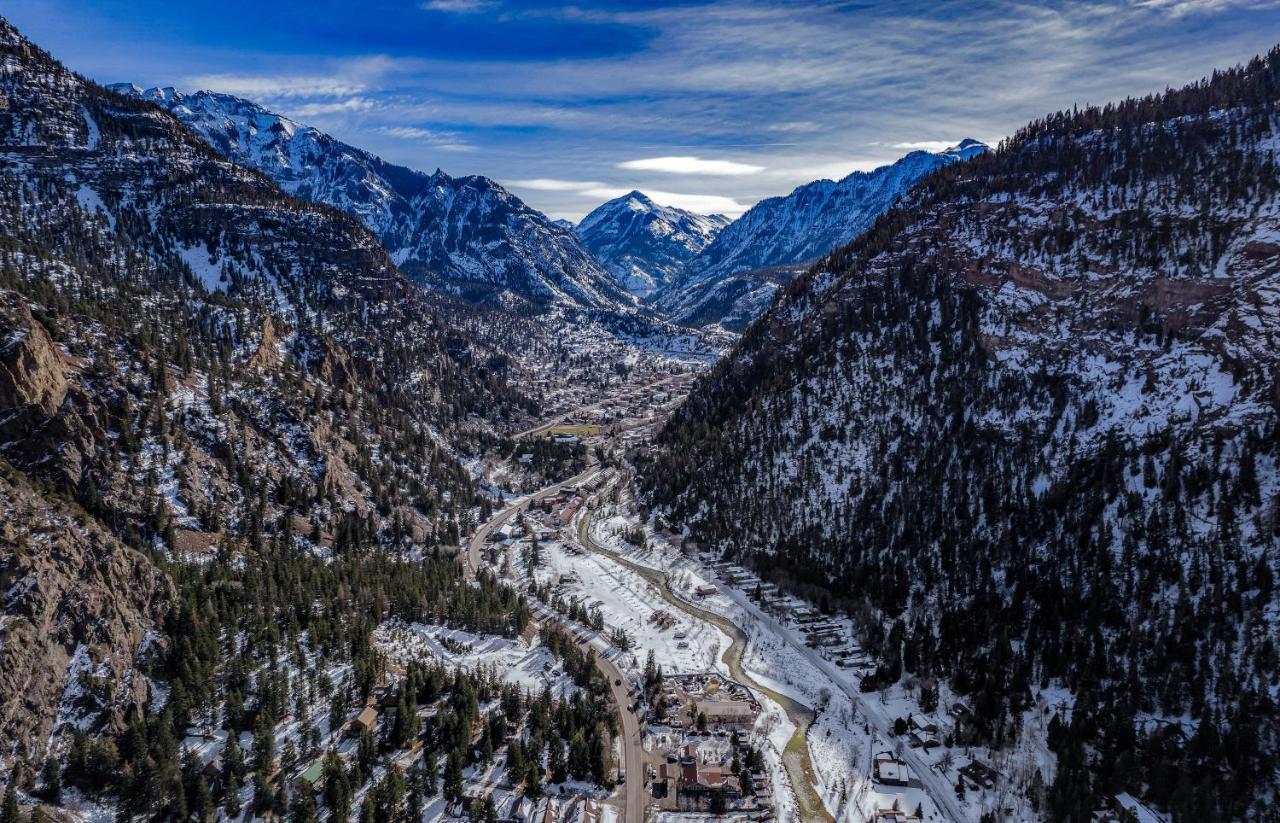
{"x": 458, "y": 6}
{"x": 444, "y": 140}
{"x": 551, "y": 184}
{"x": 691, "y": 165}
{"x": 740, "y": 99}
{"x": 925, "y": 145}
{"x": 331, "y": 107}
{"x": 275, "y": 87}
{"x": 1180, "y": 8}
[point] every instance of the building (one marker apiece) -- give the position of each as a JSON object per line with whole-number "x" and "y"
{"x": 699, "y": 785}
{"x": 727, "y": 714}
{"x": 893, "y": 816}
{"x": 891, "y": 771}
{"x": 366, "y": 721}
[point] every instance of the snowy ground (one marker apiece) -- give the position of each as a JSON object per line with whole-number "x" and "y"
{"x": 844, "y": 739}
{"x": 530, "y": 665}
{"x": 627, "y": 601}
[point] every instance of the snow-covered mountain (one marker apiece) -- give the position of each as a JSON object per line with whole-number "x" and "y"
{"x": 1025, "y": 428}
{"x": 644, "y": 245}
{"x": 176, "y": 335}
{"x": 463, "y": 235}
{"x": 811, "y": 221}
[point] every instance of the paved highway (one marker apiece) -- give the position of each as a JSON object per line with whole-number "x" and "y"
{"x": 632, "y": 750}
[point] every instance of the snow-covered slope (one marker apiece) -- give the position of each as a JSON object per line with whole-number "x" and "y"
{"x": 1025, "y": 429}
{"x": 644, "y": 245}
{"x": 811, "y": 221}
{"x": 464, "y": 235}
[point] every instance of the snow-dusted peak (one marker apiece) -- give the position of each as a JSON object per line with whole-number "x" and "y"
{"x": 643, "y": 244}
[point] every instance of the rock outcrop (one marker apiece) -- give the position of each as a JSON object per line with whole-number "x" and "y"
{"x": 77, "y": 612}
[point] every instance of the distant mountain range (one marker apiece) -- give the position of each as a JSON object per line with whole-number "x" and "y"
{"x": 720, "y": 284}
{"x": 645, "y": 245}
{"x": 467, "y": 236}
{"x": 470, "y": 237}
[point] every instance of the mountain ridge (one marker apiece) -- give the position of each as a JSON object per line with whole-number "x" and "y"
{"x": 464, "y": 235}
{"x": 1023, "y": 431}
{"x": 720, "y": 284}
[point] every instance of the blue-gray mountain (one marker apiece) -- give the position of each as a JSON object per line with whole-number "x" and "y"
{"x": 466, "y": 236}
{"x": 724, "y": 282}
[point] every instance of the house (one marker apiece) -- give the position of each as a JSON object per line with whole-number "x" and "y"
{"x": 706, "y": 591}
{"x": 698, "y": 786}
{"x": 366, "y": 721}
{"x": 893, "y": 816}
{"x": 213, "y": 769}
{"x": 891, "y": 771}
{"x": 981, "y": 774}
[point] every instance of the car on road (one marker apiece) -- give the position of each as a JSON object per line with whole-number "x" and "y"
{"x": 617, "y": 681}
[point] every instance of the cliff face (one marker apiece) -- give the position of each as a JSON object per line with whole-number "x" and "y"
{"x": 77, "y": 610}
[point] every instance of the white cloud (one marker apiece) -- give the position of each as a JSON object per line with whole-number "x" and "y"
{"x": 549, "y": 184}
{"x": 926, "y": 145}
{"x": 458, "y": 6}
{"x": 443, "y": 140}
{"x": 1179, "y": 8}
{"x": 276, "y": 86}
{"x": 334, "y": 107}
{"x": 690, "y": 165}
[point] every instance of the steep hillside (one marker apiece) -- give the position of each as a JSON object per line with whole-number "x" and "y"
{"x": 644, "y": 245}
{"x": 195, "y": 366}
{"x": 1024, "y": 430}
{"x": 463, "y": 235}
{"x": 731, "y": 302}
{"x": 726, "y": 280}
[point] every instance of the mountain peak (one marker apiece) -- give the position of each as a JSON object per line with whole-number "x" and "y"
{"x": 644, "y": 244}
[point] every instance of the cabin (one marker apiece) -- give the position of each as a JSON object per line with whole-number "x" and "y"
{"x": 366, "y": 721}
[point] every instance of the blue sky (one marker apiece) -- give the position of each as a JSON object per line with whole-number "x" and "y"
{"x": 706, "y": 105}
